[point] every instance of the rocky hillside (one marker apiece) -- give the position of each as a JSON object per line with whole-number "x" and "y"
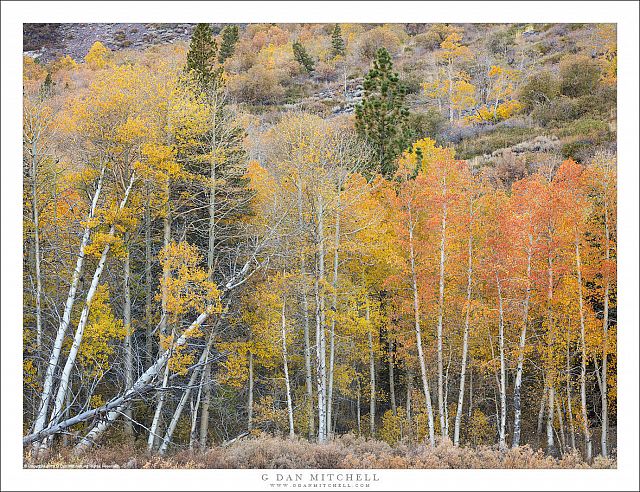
{"x": 47, "y": 42}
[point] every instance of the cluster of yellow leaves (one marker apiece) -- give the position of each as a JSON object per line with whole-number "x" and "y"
{"x": 98, "y": 56}
{"x": 101, "y": 331}
{"x": 187, "y": 285}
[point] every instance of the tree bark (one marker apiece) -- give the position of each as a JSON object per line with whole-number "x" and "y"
{"x": 320, "y": 326}
{"x": 441, "y": 402}
{"x": 128, "y": 342}
{"x": 503, "y": 375}
{"x": 285, "y": 363}
{"x": 416, "y": 315}
{"x": 517, "y": 409}
{"x": 334, "y": 309}
{"x": 583, "y": 360}
{"x": 372, "y": 376}
{"x": 465, "y": 336}
{"x": 605, "y": 338}
{"x": 250, "y": 396}
{"x": 47, "y": 390}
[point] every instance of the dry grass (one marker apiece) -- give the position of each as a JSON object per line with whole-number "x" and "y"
{"x": 343, "y": 452}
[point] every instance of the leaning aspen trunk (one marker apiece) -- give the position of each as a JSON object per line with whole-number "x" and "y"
{"x": 517, "y": 408}
{"x": 204, "y": 358}
{"x": 583, "y": 360}
{"x": 177, "y": 413}
{"x": 416, "y": 314}
{"x": 441, "y": 402}
{"x": 47, "y": 388}
{"x": 372, "y": 378}
{"x": 503, "y": 375}
{"x": 305, "y": 317}
{"x": 334, "y": 310}
{"x": 117, "y": 405}
{"x": 285, "y": 365}
{"x": 84, "y": 317}
{"x": 155, "y": 424}
{"x": 128, "y": 342}
{"x": 465, "y": 337}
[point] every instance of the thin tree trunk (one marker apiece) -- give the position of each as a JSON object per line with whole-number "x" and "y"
{"x": 441, "y": 402}
{"x": 392, "y": 384}
{"x": 358, "y": 409}
{"x": 563, "y": 441}
{"x": 155, "y": 424}
{"x": 148, "y": 286}
{"x": 206, "y": 401}
{"x": 572, "y": 432}
{"x": 166, "y": 233}
{"x": 465, "y": 336}
{"x": 305, "y": 315}
{"x": 47, "y": 389}
{"x": 541, "y": 412}
{"x": 334, "y": 309}
{"x": 416, "y": 314}
{"x": 409, "y": 377}
{"x": 36, "y": 245}
{"x": 128, "y": 342}
{"x": 372, "y": 376}
{"x": 517, "y": 409}
{"x": 250, "y": 396}
{"x": 321, "y": 349}
{"x": 583, "y": 360}
{"x": 75, "y": 346}
{"x": 285, "y": 361}
{"x": 503, "y": 375}
{"x": 605, "y": 338}
{"x": 551, "y": 448}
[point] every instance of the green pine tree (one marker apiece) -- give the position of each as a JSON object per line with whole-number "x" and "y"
{"x": 302, "y": 57}
{"x": 230, "y": 37}
{"x": 337, "y": 43}
{"x": 201, "y": 57}
{"x": 382, "y": 116}
{"x": 47, "y": 86}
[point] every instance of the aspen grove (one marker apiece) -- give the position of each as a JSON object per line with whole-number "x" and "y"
{"x": 195, "y": 272}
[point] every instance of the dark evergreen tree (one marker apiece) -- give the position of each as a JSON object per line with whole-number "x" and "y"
{"x": 302, "y": 57}
{"x": 46, "y": 87}
{"x": 337, "y": 43}
{"x": 382, "y": 116}
{"x": 202, "y": 54}
{"x": 230, "y": 37}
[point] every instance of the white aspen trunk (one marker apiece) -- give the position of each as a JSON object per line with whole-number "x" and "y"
{"x": 285, "y": 363}
{"x": 320, "y": 328}
{"x": 193, "y": 434}
{"x": 372, "y": 377}
{"x": 128, "y": 345}
{"x": 117, "y": 405}
{"x": 202, "y": 361}
{"x": 441, "y": 402}
{"x": 551, "y": 448}
{"x": 305, "y": 316}
{"x": 36, "y": 245}
{"x": 206, "y": 399}
{"x": 563, "y": 441}
{"x": 517, "y": 408}
{"x": 47, "y": 389}
{"x": 605, "y": 338}
{"x": 155, "y": 424}
{"x": 583, "y": 360}
{"x": 416, "y": 314}
{"x": 166, "y": 228}
{"x": 465, "y": 336}
{"x": 250, "y": 396}
{"x": 334, "y": 309}
{"x": 358, "y": 417}
{"x": 503, "y": 375}
{"x": 84, "y": 316}
{"x": 541, "y": 411}
{"x": 148, "y": 281}
{"x": 178, "y": 412}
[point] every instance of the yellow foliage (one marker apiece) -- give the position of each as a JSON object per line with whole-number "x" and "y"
{"x": 98, "y": 56}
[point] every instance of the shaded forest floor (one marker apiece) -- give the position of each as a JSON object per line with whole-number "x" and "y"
{"x": 343, "y": 452}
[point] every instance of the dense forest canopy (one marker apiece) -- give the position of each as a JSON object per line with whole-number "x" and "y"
{"x": 400, "y": 231}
